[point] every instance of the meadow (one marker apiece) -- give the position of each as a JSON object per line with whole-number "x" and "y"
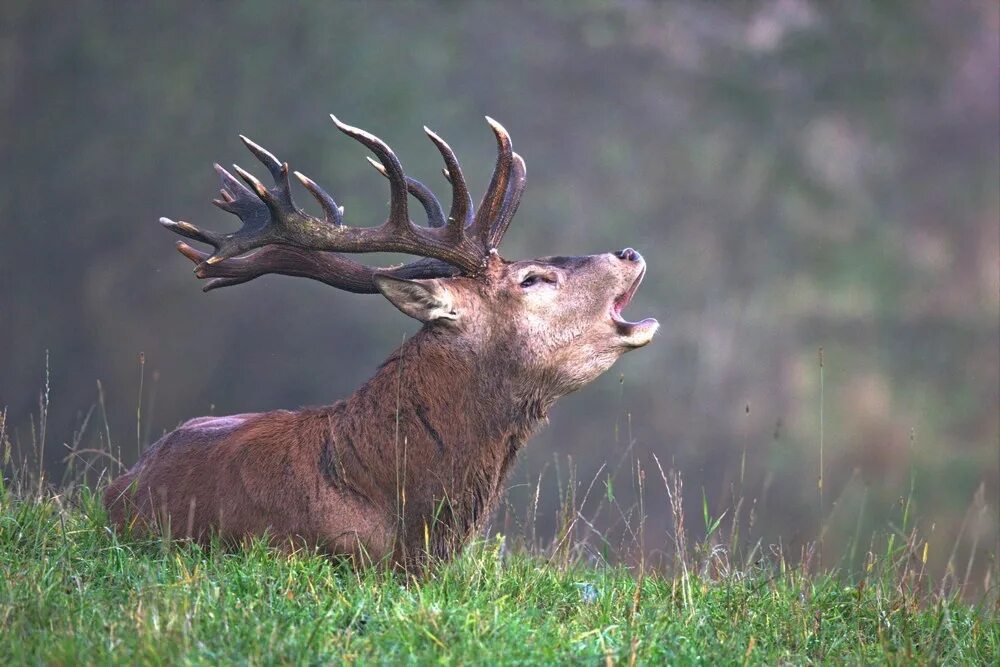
{"x": 74, "y": 592}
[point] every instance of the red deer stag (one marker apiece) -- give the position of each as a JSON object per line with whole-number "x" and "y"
{"x": 412, "y": 463}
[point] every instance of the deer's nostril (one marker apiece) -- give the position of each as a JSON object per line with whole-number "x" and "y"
{"x": 628, "y": 254}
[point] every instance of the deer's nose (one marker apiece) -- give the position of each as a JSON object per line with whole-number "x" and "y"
{"x": 628, "y": 254}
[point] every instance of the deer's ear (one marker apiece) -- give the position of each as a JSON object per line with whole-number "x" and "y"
{"x": 424, "y": 300}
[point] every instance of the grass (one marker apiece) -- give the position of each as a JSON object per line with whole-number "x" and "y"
{"x": 73, "y": 592}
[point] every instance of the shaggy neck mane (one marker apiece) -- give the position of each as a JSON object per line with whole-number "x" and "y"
{"x": 434, "y": 434}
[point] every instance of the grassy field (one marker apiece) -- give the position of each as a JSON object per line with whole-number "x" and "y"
{"x": 72, "y": 592}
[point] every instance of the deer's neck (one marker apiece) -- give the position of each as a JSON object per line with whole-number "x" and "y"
{"x": 454, "y": 403}
{"x": 447, "y": 423}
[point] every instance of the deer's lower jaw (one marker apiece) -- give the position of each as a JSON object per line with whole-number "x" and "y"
{"x": 636, "y": 334}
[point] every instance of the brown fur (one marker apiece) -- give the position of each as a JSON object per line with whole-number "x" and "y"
{"x": 414, "y": 461}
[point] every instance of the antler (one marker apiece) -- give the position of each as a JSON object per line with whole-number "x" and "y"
{"x": 289, "y": 241}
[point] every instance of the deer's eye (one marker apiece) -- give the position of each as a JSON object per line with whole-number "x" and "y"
{"x": 533, "y": 279}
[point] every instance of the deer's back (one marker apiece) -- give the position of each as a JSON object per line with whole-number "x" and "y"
{"x": 241, "y": 476}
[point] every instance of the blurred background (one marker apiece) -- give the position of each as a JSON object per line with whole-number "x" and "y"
{"x": 799, "y": 175}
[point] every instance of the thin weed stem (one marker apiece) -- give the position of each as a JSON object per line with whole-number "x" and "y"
{"x": 821, "y": 436}
{"x": 138, "y": 407}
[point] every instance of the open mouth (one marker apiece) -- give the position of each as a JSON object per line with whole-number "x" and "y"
{"x": 635, "y": 334}
{"x": 623, "y": 299}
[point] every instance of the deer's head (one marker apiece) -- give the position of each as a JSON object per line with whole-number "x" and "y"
{"x": 557, "y": 319}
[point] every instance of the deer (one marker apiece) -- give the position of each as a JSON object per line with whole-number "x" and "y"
{"x": 408, "y": 468}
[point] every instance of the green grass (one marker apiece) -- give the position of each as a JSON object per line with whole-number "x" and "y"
{"x": 72, "y": 592}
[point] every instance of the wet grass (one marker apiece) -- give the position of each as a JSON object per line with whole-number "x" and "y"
{"x": 73, "y": 592}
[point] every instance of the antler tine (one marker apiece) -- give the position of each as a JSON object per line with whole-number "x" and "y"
{"x": 252, "y": 181}
{"x": 398, "y": 215}
{"x": 511, "y": 201}
{"x": 265, "y": 156}
{"x": 461, "y": 201}
{"x": 231, "y": 189}
{"x": 280, "y": 196}
{"x": 423, "y": 194}
{"x": 187, "y": 230}
{"x": 236, "y": 198}
{"x": 492, "y": 204}
{"x": 199, "y": 257}
{"x": 334, "y": 213}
